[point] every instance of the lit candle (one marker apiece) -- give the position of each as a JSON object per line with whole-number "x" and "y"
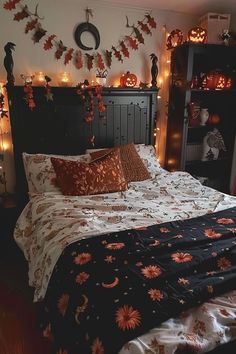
{"x": 39, "y": 78}
{"x": 64, "y": 79}
{"x": 28, "y": 79}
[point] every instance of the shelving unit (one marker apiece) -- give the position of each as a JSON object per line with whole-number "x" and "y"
{"x": 191, "y": 64}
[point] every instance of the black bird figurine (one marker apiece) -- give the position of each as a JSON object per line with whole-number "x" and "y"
{"x": 154, "y": 70}
{"x": 8, "y": 63}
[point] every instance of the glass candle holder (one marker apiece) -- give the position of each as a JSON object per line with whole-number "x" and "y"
{"x": 39, "y": 79}
{"x": 64, "y": 79}
{"x": 27, "y": 79}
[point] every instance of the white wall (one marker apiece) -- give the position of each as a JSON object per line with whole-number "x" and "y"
{"x": 61, "y": 18}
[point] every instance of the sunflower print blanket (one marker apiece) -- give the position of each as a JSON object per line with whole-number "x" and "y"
{"x": 106, "y": 290}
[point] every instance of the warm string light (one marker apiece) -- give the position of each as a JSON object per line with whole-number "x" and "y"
{"x": 163, "y": 84}
{"x": 6, "y": 149}
{"x": 3, "y": 147}
{"x": 160, "y": 81}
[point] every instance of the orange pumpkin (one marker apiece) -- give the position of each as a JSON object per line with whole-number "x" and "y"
{"x": 175, "y": 38}
{"x": 197, "y": 35}
{"x": 128, "y": 80}
{"x": 214, "y": 118}
{"x": 215, "y": 81}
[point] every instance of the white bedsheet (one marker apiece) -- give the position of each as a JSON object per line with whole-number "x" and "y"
{"x": 50, "y": 222}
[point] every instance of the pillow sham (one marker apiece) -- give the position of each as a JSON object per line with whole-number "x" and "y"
{"x": 133, "y": 166}
{"x": 40, "y": 174}
{"x": 149, "y": 158}
{"x": 104, "y": 175}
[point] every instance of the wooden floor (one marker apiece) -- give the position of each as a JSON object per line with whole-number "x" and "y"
{"x": 19, "y": 331}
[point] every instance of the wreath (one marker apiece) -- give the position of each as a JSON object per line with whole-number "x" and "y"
{"x": 61, "y": 51}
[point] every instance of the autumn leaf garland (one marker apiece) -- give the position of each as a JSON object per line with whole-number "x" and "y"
{"x": 61, "y": 51}
{"x": 3, "y": 112}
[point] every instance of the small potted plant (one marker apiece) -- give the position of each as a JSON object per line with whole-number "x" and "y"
{"x": 101, "y": 77}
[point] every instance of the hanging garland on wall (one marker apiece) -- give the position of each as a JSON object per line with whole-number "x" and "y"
{"x": 68, "y": 54}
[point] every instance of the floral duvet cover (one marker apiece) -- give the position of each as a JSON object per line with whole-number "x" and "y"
{"x": 51, "y": 224}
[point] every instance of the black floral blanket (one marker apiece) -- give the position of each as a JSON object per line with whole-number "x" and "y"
{"x": 109, "y": 289}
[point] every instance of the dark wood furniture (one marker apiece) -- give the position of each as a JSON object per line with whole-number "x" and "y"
{"x": 8, "y": 217}
{"x": 190, "y": 62}
{"x": 58, "y": 126}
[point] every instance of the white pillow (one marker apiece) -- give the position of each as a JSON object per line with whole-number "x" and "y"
{"x": 40, "y": 173}
{"x": 149, "y": 157}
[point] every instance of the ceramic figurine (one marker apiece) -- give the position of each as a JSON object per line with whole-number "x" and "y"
{"x": 212, "y": 144}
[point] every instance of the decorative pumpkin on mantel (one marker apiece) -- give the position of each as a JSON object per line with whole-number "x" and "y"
{"x": 128, "y": 80}
{"x": 197, "y": 35}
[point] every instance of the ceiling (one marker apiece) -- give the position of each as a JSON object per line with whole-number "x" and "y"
{"x": 194, "y": 7}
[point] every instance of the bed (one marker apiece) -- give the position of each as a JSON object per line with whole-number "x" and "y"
{"x": 146, "y": 269}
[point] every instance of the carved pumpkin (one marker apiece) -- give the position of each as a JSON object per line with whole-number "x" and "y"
{"x": 197, "y": 35}
{"x": 128, "y": 80}
{"x": 221, "y": 82}
{"x": 175, "y": 38}
{"x": 215, "y": 81}
{"x": 214, "y": 118}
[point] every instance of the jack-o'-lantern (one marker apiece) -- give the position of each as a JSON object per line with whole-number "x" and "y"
{"x": 214, "y": 118}
{"x": 197, "y": 35}
{"x": 175, "y": 38}
{"x": 215, "y": 81}
{"x": 128, "y": 80}
{"x": 221, "y": 82}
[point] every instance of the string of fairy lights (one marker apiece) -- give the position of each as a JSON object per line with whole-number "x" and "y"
{"x": 5, "y": 138}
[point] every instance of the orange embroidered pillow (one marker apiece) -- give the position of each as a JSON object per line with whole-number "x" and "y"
{"x": 101, "y": 176}
{"x": 132, "y": 164}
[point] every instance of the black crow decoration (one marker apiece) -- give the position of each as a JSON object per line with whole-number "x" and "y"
{"x": 8, "y": 62}
{"x": 154, "y": 69}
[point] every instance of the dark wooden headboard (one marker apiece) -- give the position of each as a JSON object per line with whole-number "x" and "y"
{"x": 58, "y": 126}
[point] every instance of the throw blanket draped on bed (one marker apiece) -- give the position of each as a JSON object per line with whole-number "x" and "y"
{"x": 106, "y": 290}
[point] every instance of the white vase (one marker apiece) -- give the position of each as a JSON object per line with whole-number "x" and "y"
{"x": 101, "y": 81}
{"x": 204, "y": 115}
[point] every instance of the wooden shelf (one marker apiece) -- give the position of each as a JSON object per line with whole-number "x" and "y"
{"x": 204, "y": 127}
{"x": 214, "y": 91}
{"x": 186, "y": 61}
{"x": 210, "y": 162}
